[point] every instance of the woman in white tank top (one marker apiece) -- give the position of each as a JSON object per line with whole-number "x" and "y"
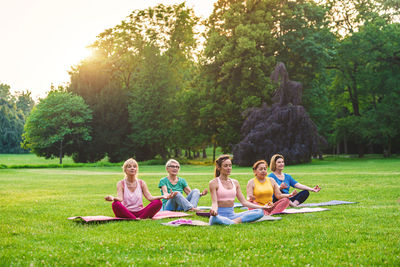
{"x": 129, "y": 202}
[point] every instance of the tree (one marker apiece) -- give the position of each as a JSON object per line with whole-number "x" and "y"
{"x": 140, "y": 67}
{"x": 94, "y": 81}
{"x": 368, "y": 67}
{"x": 243, "y": 42}
{"x": 13, "y": 111}
{"x": 57, "y": 125}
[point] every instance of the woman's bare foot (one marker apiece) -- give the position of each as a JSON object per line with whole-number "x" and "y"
{"x": 293, "y": 204}
{"x": 194, "y": 209}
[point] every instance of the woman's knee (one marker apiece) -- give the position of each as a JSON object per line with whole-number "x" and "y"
{"x": 285, "y": 200}
{"x": 157, "y": 202}
{"x": 196, "y": 191}
{"x": 116, "y": 204}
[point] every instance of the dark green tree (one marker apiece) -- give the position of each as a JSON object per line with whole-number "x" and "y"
{"x": 367, "y": 76}
{"x": 242, "y": 44}
{"x": 13, "y": 111}
{"x": 57, "y": 125}
{"x": 141, "y": 65}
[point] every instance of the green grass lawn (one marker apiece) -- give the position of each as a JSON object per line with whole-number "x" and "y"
{"x": 35, "y": 204}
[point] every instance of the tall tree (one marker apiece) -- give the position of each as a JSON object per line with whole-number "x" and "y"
{"x": 13, "y": 111}
{"x": 57, "y": 124}
{"x": 367, "y": 65}
{"x": 146, "y": 61}
{"x": 243, "y": 41}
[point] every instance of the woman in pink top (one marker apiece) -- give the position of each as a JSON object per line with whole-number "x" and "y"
{"x": 223, "y": 192}
{"x": 129, "y": 202}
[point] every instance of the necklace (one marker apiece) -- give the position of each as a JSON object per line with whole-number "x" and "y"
{"x": 280, "y": 176}
{"x": 131, "y": 184}
{"x": 173, "y": 181}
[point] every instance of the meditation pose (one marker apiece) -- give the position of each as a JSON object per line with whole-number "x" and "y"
{"x": 223, "y": 191}
{"x": 285, "y": 181}
{"x": 129, "y": 202}
{"x": 178, "y": 185}
{"x": 261, "y": 189}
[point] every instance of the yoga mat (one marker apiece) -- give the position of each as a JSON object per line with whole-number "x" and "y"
{"x": 183, "y": 222}
{"x": 302, "y": 210}
{"x": 169, "y": 214}
{"x": 329, "y": 203}
{"x": 100, "y": 218}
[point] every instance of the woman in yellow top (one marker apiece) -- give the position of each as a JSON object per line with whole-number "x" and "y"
{"x": 261, "y": 188}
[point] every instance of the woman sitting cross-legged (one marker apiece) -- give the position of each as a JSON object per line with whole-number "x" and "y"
{"x": 129, "y": 202}
{"x": 261, "y": 188}
{"x": 178, "y": 185}
{"x": 223, "y": 191}
{"x": 285, "y": 181}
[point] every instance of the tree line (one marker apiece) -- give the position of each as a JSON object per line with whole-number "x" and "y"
{"x": 165, "y": 80}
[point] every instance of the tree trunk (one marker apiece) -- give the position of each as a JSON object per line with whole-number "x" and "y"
{"x": 214, "y": 152}
{"x": 176, "y": 152}
{"x": 61, "y": 152}
{"x": 360, "y": 150}
{"x": 345, "y": 145}
{"x": 204, "y": 153}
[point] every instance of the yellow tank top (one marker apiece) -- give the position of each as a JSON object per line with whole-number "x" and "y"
{"x": 263, "y": 191}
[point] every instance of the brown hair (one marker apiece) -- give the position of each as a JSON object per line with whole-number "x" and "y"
{"x": 273, "y": 161}
{"x": 255, "y": 165}
{"x": 218, "y": 164}
{"x": 130, "y": 162}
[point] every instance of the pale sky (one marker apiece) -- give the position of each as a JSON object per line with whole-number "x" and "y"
{"x": 41, "y": 39}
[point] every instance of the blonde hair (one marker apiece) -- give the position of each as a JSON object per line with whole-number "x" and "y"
{"x": 273, "y": 161}
{"x": 255, "y": 165}
{"x": 218, "y": 164}
{"x": 130, "y": 162}
{"x": 171, "y": 161}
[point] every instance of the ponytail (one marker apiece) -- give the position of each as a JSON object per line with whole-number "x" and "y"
{"x": 218, "y": 164}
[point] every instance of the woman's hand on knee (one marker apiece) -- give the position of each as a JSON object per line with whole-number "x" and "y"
{"x": 109, "y": 198}
{"x": 293, "y": 193}
{"x": 213, "y": 212}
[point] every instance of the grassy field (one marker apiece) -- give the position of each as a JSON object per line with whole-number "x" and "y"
{"x": 35, "y": 204}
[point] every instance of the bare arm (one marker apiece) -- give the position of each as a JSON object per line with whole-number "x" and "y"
{"x": 244, "y": 202}
{"x": 250, "y": 190}
{"x": 213, "y": 185}
{"x": 304, "y": 187}
{"x": 120, "y": 193}
{"x": 277, "y": 192}
{"x": 150, "y": 197}
{"x": 187, "y": 190}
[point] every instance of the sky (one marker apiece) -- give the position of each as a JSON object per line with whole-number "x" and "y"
{"x": 40, "y": 40}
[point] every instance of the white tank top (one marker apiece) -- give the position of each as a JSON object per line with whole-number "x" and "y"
{"x": 133, "y": 200}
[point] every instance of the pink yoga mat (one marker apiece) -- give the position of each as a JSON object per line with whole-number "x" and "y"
{"x": 100, "y": 218}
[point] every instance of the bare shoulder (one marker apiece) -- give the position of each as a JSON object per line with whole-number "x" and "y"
{"x": 272, "y": 180}
{"x": 213, "y": 182}
{"x": 251, "y": 181}
{"x": 234, "y": 181}
{"x": 120, "y": 183}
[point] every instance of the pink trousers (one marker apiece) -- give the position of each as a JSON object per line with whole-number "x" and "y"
{"x": 147, "y": 212}
{"x": 278, "y": 207}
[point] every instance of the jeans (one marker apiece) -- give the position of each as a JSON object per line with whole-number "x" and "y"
{"x": 227, "y": 215}
{"x": 180, "y": 202}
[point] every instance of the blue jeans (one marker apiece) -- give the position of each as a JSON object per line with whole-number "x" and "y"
{"x": 227, "y": 215}
{"x": 180, "y": 202}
